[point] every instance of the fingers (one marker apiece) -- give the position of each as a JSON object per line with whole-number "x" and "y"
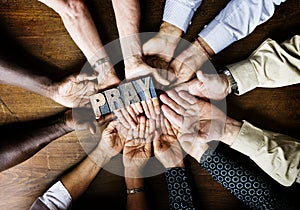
{"x": 160, "y": 79}
{"x": 132, "y": 113}
{"x": 128, "y": 118}
{"x": 172, "y": 116}
{"x": 156, "y": 105}
{"x": 151, "y": 108}
{"x": 188, "y": 98}
{"x": 179, "y": 100}
{"x": 146, "y": 109}
{"x": 142, "y": 127}
{"x": 172, "y": 104}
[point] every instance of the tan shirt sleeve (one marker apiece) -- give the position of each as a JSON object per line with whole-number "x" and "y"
{"x": 271, "y": 65}
{"x": 277, "y": 154}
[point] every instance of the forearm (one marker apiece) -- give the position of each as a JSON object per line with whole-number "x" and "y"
{"x": 22, "y": 140}
{"x": 271, "y": 65}
{"x": 136, "y": 201}
{"x": 244, "y": 180}
{"x": 277, "y": 154}
{"x": 78, "y": 180}
{"x": 127, "y": 14}
{"x": 13, "y": 74}
{"x": 81, "y": 27}
{"x": 179, "y": 189}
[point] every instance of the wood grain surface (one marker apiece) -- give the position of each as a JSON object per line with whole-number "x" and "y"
{"x": 32, "y": 32}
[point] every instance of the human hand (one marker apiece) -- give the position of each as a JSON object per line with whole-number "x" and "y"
{"x": 166, "y": 147}
{"x": 211, "y": 86}
{"x": 198, "y": 120}
{"x": 111, "y": 143}
{"x": 136, "y": 67}
{"x": 193, "y": 117}
{"x": 185, "y": 65}
{"x": 164, "y": 43}
{"x": 83, "y": 119}
{"x": 75, "y": 90}
{"x": 137, "y": 148}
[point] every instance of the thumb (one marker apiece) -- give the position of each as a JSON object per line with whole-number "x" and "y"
{"x": 160, "y": 79}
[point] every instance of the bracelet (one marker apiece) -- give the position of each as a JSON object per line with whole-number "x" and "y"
{"x": 101, "y": 61}
{"x": 232, "y": 82}
{"x": 135, "y": 190}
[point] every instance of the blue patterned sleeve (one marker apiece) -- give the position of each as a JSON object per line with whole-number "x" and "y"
{"x": 179, "y": 189}
{"x": 245, "y": 181}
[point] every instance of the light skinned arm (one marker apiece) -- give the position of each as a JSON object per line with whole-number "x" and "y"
{"x": 127, "y": 14}
{"x": 78, "y": 22}
{"x": 278, "y": 155}
{"x": 271, "y": 65}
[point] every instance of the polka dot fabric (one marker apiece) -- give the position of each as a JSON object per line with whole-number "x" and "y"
{"x": 250, "y": 186}
{"x": 179, "y": 190}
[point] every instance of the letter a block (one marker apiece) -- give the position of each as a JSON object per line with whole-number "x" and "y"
{"x": 125, "y": 94}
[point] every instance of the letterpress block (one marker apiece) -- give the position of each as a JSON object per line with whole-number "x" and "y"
{"x": 114, "y": 99}
{"x": 124, "y": 95}
{"x": 129, "y": 94}
{"x": 99, "y": 104}
{"x": 145, "y": 88}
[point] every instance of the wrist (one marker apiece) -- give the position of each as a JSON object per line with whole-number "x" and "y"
{"x": 133, "y": 172}
{"x": 231, "y": 131}
{"x": 205, "y": 47}
{"x": 226, "y": 82}
{"x": 99, "y": 157}
{"x": 179, "y": 164}
{"x": 132, "y": 183}
{"x": 169, "y": 29}
{"x": 133, "y": 61}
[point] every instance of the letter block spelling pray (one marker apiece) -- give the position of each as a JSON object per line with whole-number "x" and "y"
{"x": 122, "y": 96}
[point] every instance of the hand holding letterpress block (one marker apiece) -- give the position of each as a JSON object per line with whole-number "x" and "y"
{"x": 124, "y": 101}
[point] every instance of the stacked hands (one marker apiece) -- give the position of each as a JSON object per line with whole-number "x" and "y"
{"x": 185, "y": 120}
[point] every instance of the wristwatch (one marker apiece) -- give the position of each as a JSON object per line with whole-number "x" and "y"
{"x": 232, "y": 82}
{"x": 135, "y": 190}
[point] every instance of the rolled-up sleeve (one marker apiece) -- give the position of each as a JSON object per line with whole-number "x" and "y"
{"x": 271, "y": 65}
{"x": 180, "y": 12}
{"x": 56, "y": 197}
{"x": 238, "y": 19}
{"x": 277, "y": 154}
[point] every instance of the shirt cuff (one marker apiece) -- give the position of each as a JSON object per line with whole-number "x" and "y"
{"x": 249, "y": 140}
{"x": 216, "y": 36}
{"x": 57, "y": 197}
{"x": 178, "y": 14}
{"x": 244, "y": 74}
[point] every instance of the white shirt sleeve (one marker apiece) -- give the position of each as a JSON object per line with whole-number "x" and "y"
{"x": 238, "y": 19}
{"x": 57, "y": 197}
{"x": 180, "y": 12}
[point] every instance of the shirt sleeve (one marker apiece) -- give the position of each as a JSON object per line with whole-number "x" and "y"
{"x": 179, "y": 189}
{"x": 238, "y": 19}
{"x": 180, "y": 12}
{"x": 277, "y": 154}
{"x": 270, "y": 65}
{"x": 57, "y": 197}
